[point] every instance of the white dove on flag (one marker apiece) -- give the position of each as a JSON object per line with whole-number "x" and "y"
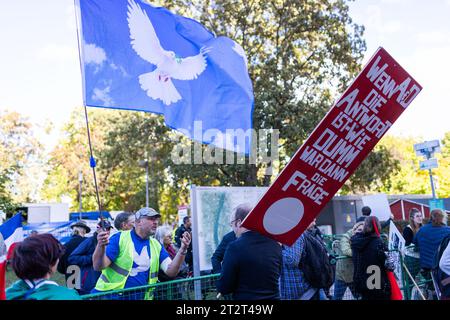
{"x": 142, "y": 260}
{"x": 145, "y": 42}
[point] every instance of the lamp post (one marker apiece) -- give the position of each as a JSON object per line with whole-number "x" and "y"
{"x": 144, "y": 164}
{"x": 80, "y": 180}
{"x": 427, "y": 149}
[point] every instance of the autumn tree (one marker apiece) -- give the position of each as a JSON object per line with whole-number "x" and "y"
{"x": 301, "y": 55}
{"x": 20, "y": 153}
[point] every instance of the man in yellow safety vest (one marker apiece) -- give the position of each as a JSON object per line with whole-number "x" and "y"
{"x": 133, "y": 258}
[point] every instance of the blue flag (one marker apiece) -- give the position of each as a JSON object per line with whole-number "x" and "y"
{"x": 135, "y": 56}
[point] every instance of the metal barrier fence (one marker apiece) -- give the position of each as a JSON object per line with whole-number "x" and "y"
{"x": 198, "y": 288}
{"x": 414, "y": 283}
{"x": 417, "y": 283}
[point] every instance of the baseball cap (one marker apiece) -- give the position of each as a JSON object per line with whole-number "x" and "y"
{"x": 146, "y": 212}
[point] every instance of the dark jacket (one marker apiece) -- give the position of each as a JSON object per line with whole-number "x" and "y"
{"x": 82, "y": 257}
{"x": 70, "y": 245}
{"x": 369, "y": 250}
{"x": 408, "y": 234}
{"x": 217, "y": 258}
{"x": 178, "y": 235}
{"x": 251, "y": 268}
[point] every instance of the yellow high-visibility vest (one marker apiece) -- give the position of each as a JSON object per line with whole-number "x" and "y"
{"x": 115, "y": 276}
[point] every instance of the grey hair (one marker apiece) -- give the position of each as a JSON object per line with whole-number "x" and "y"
{"x": 438, "y": 217}
{"x": 161, "y": 231}
{"x": 242, "y": 211}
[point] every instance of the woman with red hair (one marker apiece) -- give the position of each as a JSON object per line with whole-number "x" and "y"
{"x": 35, "y": 261}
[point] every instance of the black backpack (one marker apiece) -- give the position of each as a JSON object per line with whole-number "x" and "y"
{"x": 316, "y": 264}
{"x": 442, "y": 279}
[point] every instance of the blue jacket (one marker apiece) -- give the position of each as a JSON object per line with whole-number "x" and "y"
{"x": 428, "y": 239}
{"x": 82, "y": 257}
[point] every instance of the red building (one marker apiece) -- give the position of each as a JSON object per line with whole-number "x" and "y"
{"x": 400, "y": 208}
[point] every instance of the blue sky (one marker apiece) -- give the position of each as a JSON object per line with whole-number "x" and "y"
{"x": 40, "y": 73}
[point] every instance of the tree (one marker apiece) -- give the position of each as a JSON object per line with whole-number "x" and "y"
{"x": 6, "y": 202}
{"x": 409, "y": 179}
{"x": 71, "y": 155}
{"x": 119, "y": 140}
{"x": 373, "y": 173}
{"x": 20, "y": 152}
{"x": 299, "y": 52}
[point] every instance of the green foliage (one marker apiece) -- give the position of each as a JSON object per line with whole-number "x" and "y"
{"x": 409, "y": 179}
{"x": 6, "y": 202}
{"x": 19, "y": 150}
{"x": 296, "y": 51}
{"x": 374, "y": 173}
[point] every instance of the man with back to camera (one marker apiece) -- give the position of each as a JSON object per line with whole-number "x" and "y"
{"x": 252, "y": 264}
{"x": 366, "y": 211}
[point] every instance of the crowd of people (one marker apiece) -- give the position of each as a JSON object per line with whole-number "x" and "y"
{"x": 140, "y": 253}
{"x": 251, "y": 266}
{"x": 255, "y": 267}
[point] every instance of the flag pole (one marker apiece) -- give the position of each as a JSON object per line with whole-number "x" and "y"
{"x": 93, "y": 164}
{"x": 91, "y": 159}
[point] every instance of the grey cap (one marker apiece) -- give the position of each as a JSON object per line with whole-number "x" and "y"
{"x": 146, "y": 212}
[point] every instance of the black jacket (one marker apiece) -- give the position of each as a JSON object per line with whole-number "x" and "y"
{"x": 178, "y": 235}
{"x": 69, "y": 247}
{"x": 217, "y": 258}
{"x": 251, "y": 268}
{"x": 82, "y": 257}
{"x": 369, "y": 251}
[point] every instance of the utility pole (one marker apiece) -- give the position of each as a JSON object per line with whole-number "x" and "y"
{"x": 144, "y": 164}
{"x": 427, "y": 150}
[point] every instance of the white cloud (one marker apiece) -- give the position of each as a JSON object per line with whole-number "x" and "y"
{"x": 120, "y": 68}
{"x": 93, "y": 54}
{"x": 103, "y": 96}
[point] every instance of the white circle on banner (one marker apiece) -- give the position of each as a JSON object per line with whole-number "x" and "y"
{"x": 283, "y": 215}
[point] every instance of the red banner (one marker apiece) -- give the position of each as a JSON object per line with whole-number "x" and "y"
{"x": 342, "y": 140}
